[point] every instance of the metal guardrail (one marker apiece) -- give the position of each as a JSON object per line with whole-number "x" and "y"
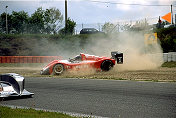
{"x": 28, "y": 59}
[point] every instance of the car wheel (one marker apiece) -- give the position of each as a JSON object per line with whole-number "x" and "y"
{"x": 58, "y": 69}
{"x": 106, "y": 65}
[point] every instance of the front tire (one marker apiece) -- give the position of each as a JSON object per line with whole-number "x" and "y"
{"x": 106, "y": 65}
{"x": 58, "y": 69}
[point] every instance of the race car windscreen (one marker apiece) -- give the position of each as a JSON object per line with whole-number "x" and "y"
{"x": 77, "y": 58}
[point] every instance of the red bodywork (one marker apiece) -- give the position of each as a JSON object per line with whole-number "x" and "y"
{"x": 86, "y": 61}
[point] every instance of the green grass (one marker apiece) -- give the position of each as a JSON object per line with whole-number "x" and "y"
{"x": 169, "y": 64}
{"x": 6, "y": 112}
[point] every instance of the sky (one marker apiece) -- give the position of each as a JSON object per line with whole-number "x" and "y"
{"x": 91, "y": 12}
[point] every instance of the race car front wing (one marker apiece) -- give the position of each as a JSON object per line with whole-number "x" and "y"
{"x": 12, "y": 85}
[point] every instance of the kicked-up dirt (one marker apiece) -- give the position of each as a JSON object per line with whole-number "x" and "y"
{"x": 159, "y": 74}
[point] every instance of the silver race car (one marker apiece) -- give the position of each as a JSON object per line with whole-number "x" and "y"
{"x": 12, "y": 85}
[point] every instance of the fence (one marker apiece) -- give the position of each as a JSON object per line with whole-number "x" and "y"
{"x": 118, "y": 25}
{"x": 28, "y": 59}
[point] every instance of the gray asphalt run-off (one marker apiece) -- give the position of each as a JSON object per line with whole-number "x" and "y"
{"x": 105, "y": 98}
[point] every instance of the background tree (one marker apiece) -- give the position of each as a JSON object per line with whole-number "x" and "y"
{"x": 52, "y": 20}
{"x": 3, "y": 22}
{"x": 36, "y": 21}
{"x": 126, "y": 27}
{"x": 109, "y": 28}
{"x": 20, "y": 21}
{"x": 70, "y": 27}
{"x": 167, "y": 38}
{"x": 141, "y": 26}
{"x": 47, "y": 21}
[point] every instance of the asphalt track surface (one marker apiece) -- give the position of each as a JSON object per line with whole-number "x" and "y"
{"x": 105, "y": 98}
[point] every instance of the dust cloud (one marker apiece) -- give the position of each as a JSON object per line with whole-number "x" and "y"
{"x": 80, "y": 72}
{"x": 137, "y": 55}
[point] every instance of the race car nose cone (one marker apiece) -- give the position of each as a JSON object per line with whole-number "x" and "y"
{"x": 12, "y": 84}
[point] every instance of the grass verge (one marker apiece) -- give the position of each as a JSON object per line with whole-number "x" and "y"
{"x": 6, "y": 112}
{"x": 169, "y": 64}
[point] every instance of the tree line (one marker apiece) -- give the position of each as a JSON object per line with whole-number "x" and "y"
{"x": 49, "y": 21}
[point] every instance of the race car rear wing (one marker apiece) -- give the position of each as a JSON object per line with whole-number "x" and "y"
{"x": 118, "y": 56}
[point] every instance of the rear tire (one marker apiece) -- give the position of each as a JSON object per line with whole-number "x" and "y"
{"x": 106, "y": 65}
{"x": 58, "y": 69}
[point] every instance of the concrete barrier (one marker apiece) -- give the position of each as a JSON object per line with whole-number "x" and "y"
{"x": 173, "y": 56}
{"x": 168, "y": 57}
{"x": 165, "y": 57}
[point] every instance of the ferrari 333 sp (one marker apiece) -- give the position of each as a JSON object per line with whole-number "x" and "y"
{"x": 83, "y": 61}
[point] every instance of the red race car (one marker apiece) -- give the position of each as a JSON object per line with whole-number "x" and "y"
{"x": 83, "y": 62}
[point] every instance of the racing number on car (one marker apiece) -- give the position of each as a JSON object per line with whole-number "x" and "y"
{"x": 78, "y": 66}
{"x": 120, "y": 59}
{"x": 81, "y": 66}
{"x": 68, "y": 67}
